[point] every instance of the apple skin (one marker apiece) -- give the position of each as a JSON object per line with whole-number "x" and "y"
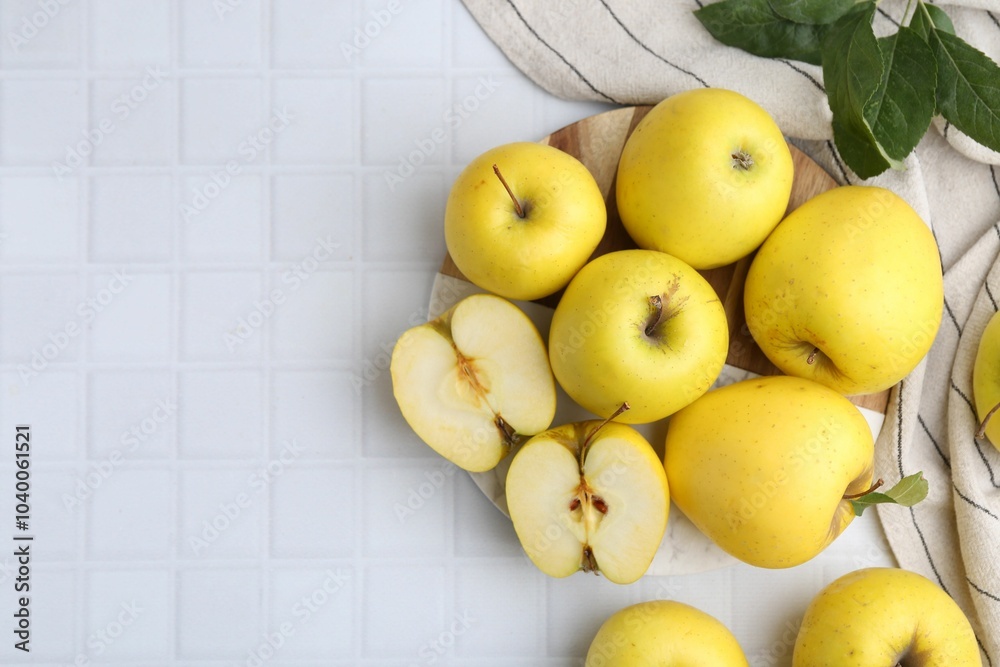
{"x": 761, "y": 467}
{"x": 885, "y": 616}
{"x": 531, "y": 257}
{"x": 664, "y": 633}
{"x": 986, "y": 378}
{"x": 855, "y": 274}
{"x": 599, "y": 349}
{"x": 553, "y": 500}
{"x": 680, "y": 190}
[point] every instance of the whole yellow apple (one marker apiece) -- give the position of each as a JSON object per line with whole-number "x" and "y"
{"x": 986, "y": 379}
{"x": 589, "y": 496}
{"x": 847, "y": 290}
{"x": 762, "y": 467}
{"x": 705, "y": 177}
{"x": 522, "y": 219}
{"x": 638, "y": 326}
{"x": 884, "y": 616}
{"x": 664, "y": 633}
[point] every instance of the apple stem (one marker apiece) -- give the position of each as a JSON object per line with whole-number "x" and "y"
{"x": 981, "y": 431}
{"x": 589, "y": 562}
{"x": 874, "y": 486}
{"x": 656, "y": 303}
{"x": 742, "y": 160}
{"x": 517, "y": 204}
{"x": 811, "y": 359}
{"x": 590, "y": 436}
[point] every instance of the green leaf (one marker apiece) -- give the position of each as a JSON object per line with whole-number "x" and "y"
{"x": 934, "y": 17}
{"x": 852, "y": 71}
{"x": 867, "y": 500}
{"x": 753, "y": 26}
{"x": 812, "y": 11}
{"x": 968, "y": 88}
{"x": 900, "y": 111}
{"x": 908, "y": 492}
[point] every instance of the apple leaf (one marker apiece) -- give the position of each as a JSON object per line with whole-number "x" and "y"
{"x": 900, "y": 111}
{"x": 934, "y": 17}
{"x": 908, "y": 492}
{"x": 968, "y": 94}
{"x": 812, "y": 11}
{"x": 752, "y": 25}
{"x": 853, "y": 72}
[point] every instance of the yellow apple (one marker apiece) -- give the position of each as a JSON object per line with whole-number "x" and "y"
{"x": 664, "y": 633}
{"x": 847, "y": 291}
{"x": 885, "y": 616}
{"x": 589, "y": 496}
{"x": 529, "y": 241}
{"x": 475, "y": 381}
{"x": 639, "y": 326}
{"x": 705, "y": 177}
{"x": 763, "y": 466}
{"x": 986, "y": 379}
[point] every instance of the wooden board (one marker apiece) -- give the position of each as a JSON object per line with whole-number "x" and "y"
{"x": 598, "y": 141}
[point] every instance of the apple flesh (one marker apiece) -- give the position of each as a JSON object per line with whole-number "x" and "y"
{"x": 767, "y": 467}
{"x": 664, "y": 633}
{"x": 884, "y": 616}
{"x": 589, "y": 496}
{"x": 475, "y": 381}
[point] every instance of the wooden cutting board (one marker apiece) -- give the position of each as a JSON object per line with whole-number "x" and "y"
{"x": 598, "y": 141}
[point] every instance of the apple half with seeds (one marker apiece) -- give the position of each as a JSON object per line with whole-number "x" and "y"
{"x": 589, "y": 496}
{"x": 475, "y": 381}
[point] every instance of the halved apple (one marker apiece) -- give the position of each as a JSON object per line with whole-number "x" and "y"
{"x": 589, "y": 496}
{"x": 475, "y": 381}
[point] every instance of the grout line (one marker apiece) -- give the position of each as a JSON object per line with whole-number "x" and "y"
{"x": 177, "y": 240}
{"x": 357, "y": 314}
{"x": 83, "y": 220}
{"x": 267, "y": 215}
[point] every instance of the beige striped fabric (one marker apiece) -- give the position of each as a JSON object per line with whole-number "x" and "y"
{"x": 640, "y": 51}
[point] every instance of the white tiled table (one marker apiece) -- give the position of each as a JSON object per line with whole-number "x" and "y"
{"x": 218, "y": 465}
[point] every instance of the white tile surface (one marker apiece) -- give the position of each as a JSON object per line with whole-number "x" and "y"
{"x": 216, "y": 441}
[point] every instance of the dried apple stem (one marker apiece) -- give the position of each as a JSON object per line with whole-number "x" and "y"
{"x": 590, "y": 436}
{"x": 656, "y": 303}
{"x": 811, "y": 359}
{"x": 742, "y": 160}
{"x": 981, "y": 431}
{"x": 874, "y": 486}
{"x": 517, "y": 204}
